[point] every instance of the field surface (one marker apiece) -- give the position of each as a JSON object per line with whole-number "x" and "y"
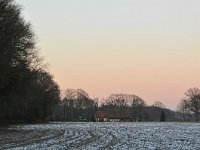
{"x": 92, "y": 136}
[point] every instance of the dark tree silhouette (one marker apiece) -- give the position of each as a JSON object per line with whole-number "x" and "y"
{"x": 24, "y": 92}
{"x": 137, "y": 108}
{"x": 193, "y": 101}
{"x": 76, "y": 106}
{"x": 162, "y": 116}
{"x": 184, "y": 109}
{"x": 119, "y": 104}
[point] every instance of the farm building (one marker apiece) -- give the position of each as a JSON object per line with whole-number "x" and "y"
{"x": 105, "y": 116}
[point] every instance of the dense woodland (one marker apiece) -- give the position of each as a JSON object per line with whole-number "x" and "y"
{"x": 28, "y": 93}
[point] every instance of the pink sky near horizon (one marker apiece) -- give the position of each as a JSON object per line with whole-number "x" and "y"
{"x": 142, "y": 47}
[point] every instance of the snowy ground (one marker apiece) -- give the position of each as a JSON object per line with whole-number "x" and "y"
{"x": 94, "y": 136}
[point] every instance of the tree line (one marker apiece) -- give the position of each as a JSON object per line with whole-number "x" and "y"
{"x": 28, "y": 92}
{"x": 76, "y": 105}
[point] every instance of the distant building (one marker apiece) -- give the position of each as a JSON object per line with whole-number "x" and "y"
{"x": 105, "y": 116}
{"x": 101, "y": 116}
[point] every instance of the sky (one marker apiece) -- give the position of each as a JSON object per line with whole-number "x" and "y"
{"x": 150, "y": 48}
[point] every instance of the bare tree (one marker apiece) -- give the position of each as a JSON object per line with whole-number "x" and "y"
{"x": 183, "y": 109}
{"x": 77, "y": 106}
{"x": 118, "y": 104}
{"x": 193, "y": 101}
{"x": 137, "y": 108}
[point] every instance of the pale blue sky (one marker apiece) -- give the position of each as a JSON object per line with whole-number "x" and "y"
{"x": 145, "y": 47}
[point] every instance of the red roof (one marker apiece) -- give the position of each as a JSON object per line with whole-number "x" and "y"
{"x": 102, "y": 114}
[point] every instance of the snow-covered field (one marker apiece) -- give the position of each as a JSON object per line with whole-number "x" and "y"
{"x": 94, "y": 136}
